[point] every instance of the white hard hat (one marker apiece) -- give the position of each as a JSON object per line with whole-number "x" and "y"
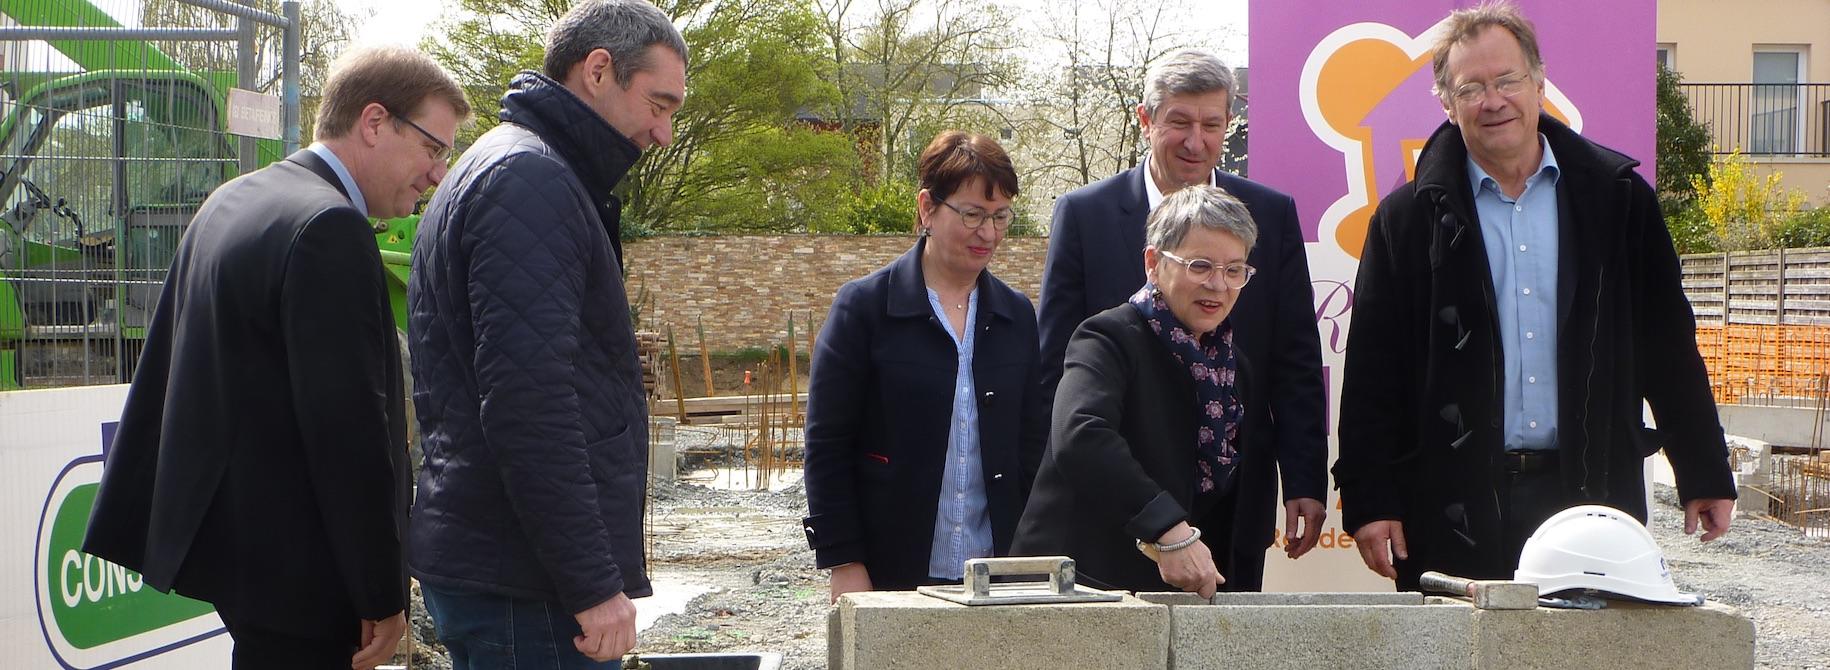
{"x": 1600, "y": 548}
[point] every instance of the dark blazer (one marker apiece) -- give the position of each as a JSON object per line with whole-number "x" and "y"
{"x": 530, "y": 400}
{"x": 260, "y": 463}
{"x": 1096, "y": 260}
{"x": 1121, "y": 463}
{"x": 1422, "y": 407}
{"x": 879, "y": 402}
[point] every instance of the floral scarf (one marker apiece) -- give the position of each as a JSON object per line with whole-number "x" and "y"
{"x": 1210, "y": 359}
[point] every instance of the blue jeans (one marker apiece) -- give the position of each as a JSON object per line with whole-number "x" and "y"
{"x": 484, "y": 631}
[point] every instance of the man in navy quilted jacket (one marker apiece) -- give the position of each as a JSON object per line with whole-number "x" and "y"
{"x": 526, "y": 536}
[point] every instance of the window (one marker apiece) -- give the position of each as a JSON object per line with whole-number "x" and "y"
{"x": 1667, "y": 55}
{"x": 1775, "y": 125}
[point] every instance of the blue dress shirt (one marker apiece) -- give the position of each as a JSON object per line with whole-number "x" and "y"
{"x": 1521, "y": 240}
{"x": 962, "y": 523}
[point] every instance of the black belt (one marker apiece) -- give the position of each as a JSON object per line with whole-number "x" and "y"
{"x": 1525, "y": 461}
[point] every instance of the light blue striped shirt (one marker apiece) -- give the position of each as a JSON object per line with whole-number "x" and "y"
{"x": 349, "y": 183}
{"x": 962, "y": 522}
{"x": 1521, "y": 239}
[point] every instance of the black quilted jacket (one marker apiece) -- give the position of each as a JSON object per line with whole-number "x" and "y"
{"x": 527, "y": 386}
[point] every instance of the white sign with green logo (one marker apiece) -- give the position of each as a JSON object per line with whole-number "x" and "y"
{"x": 79, "y": 612}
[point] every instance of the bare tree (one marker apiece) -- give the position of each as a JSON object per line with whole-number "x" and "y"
{"x": 905, "y": 67}
{"x": 1078, "y": 123}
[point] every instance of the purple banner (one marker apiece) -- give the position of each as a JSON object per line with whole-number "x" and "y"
{"x": 1341, "y": 93}
{"x": 1341, "y": 105}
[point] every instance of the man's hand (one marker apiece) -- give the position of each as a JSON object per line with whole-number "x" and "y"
{"x": 1713, "y": 513}
{"x": 379, "y": 640}
{"x": 849, "y": 578}
{"x": 609, "y": 629}
{"x": 1313, "y": 513}
{"x": 1190, "y": 568}
{"x": 1373, "y": 538}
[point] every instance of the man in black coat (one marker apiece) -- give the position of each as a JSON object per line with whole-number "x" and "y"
{"x": 1096, "y": 244}
{"x": 260, "y": 464}
{"x": 1515, "y": 304}
{"x": 527, "y": 532}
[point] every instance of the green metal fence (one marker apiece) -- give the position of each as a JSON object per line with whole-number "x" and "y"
{"x": 115, "y": 128}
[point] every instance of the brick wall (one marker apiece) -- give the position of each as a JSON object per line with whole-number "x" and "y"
{"x": 745, "y": 287}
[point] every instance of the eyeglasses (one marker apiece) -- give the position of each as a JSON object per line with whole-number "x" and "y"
{"x": 1235, "y": 276}
{"x": 443, "y": 151}
{"x": 975, "y": 217}
{"x": 1507, "y": 86}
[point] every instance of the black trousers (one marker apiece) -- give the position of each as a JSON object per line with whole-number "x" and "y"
{"x": 1535, "y": 493}
{"x": 258, "y": 648}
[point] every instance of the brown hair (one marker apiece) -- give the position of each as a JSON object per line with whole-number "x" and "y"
{"x": 1463, "y": 25}
{"x": 956, "y": 156}
{"x": 398, "y": 77}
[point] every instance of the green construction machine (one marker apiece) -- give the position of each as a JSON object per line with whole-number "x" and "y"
{"x": 101, "y": 168}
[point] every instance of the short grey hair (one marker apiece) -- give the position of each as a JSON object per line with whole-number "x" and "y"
{"x": 625, "y": 28}
{"x": 1189, "y": 71}
{"x": 1202, "y": 205}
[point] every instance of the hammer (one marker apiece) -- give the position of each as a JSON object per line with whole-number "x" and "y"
{"x": 1487, "y": 594}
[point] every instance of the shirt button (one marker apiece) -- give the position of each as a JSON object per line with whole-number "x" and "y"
{"x": 1534, "y": 424}
{"x": 1518, "y": 208}
{"x": 1521, "y": 248}
{"x": 1527, "y": 291}
{"x": 1530, "y": 335}
{"x": 1531, "y": 380}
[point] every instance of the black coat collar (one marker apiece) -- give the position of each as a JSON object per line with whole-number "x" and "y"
{"x": 310, "y": 160}
{"x": 908, "y": 291}
{"x": 599, "y": 153}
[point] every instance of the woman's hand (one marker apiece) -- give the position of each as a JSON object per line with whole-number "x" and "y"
{"x": 848, "y": 578}
{"x": 1190, "y": 568}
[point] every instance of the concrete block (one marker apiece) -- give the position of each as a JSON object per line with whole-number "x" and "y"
{"x": 901, "y": 629}
{"x": 662, "y": 453}
{"x": 1625, "y": 635}
{"x": 1284, "y": 599}
{"x": 1413, "y": 636}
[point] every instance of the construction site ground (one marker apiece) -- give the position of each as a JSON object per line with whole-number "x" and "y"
{"x": 738, "y": 561}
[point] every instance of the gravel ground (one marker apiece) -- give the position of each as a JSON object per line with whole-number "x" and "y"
{"x": 1770, "y": 571}
{"x": 763, "y": 594}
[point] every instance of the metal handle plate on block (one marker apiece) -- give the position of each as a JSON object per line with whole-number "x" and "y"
{"x": 978, "y": 588}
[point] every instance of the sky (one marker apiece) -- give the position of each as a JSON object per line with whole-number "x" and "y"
{"x": 403, "y": 21}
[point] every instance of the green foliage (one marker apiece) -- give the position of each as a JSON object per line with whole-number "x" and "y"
{"x": 1744, "y": 210}
{"x": 1691, "y": 233}
{"x": 888, "y": 207}
{"x": 1810, "y": 228}
{"x": 740, "y": 160}
{"x": 1683, "y": 143}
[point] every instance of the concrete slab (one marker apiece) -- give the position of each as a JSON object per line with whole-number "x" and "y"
{"x": 1413, "y": 636}
{"x": 1625, "y": 635}
{"x": 1284, "y": 599}
{"x": 903, "y": 629}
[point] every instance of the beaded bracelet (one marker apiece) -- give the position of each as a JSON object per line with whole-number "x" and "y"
{"x": 1183, "y": 543}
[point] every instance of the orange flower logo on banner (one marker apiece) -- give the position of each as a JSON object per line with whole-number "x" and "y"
{"x": 1366, "y": 93}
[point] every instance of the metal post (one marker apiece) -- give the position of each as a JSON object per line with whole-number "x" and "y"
{"x": 246, "y": 79}
{"x": 289, "y": 76}
{"x": 1727, "y": 260}
{"x": 1779, "y": 292}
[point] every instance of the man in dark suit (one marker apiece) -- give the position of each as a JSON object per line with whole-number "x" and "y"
{"x": 1095, "y": 246}
{"x": 260, "y": 463}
